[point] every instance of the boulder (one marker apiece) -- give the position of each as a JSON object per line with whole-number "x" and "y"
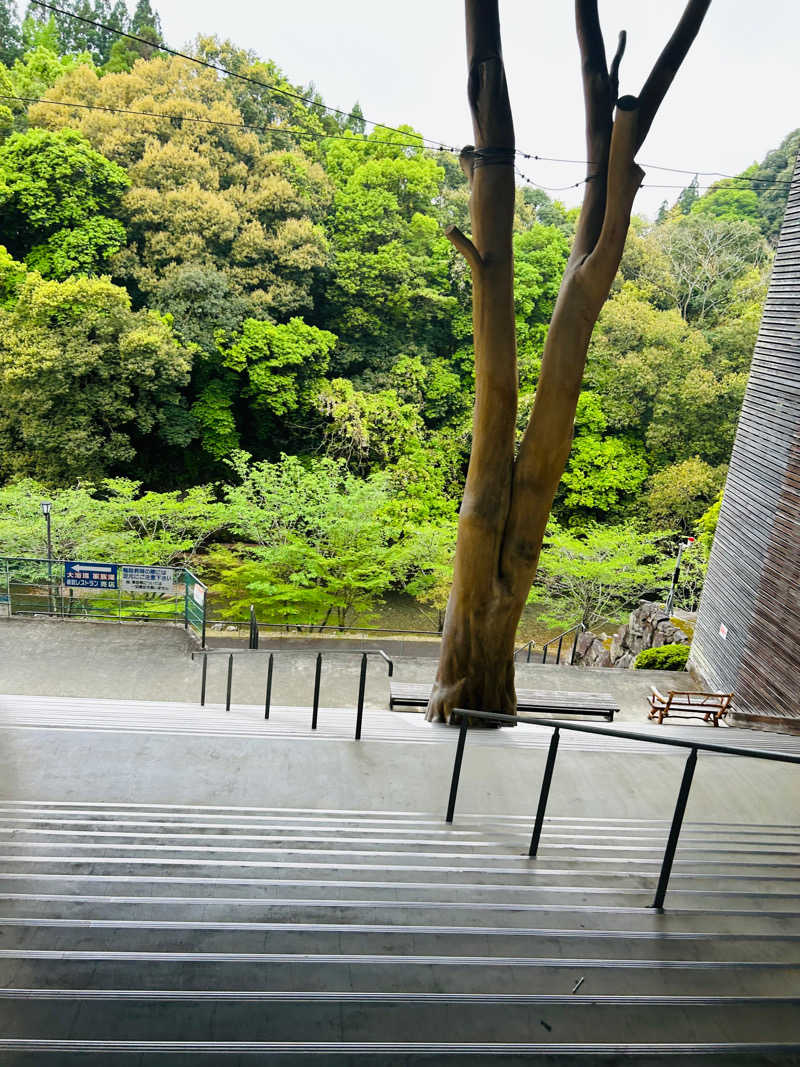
{"x": 648, "y": 626}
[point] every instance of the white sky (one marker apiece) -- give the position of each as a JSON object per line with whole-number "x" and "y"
{"x": 735, "y": 98}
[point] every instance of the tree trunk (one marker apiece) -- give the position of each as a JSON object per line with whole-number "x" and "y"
{"x": 507, "y": 497}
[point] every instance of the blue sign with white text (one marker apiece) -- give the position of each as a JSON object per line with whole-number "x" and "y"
{"x": 90, "y": 575}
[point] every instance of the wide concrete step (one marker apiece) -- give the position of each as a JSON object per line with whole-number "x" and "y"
{"x": 81, "y": 969}
{"x": 705, "y": 856}
{"x": 33, "y": 1052}
{"x": 407, "y": 912}
{"x": 372, "y": 821}
{"x": 352, "y": 1017}
{"x": 539, "y": 873}
{"x": 359, "y": 938}
{"x": 751, "y": 895}
{"x": 80, "y": 821}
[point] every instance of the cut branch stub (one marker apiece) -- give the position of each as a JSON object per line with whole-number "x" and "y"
{"x": 465, "y": 247}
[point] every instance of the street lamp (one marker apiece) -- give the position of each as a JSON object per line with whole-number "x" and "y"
{"x": 46, "y": 506}
{"x": 681, "y": 549}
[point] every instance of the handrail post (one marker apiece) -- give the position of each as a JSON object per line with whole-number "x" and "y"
{"x": 544, "y": 793}
{"x": 545, "y": 646}
{"x": 230, "y": 683}
{"x": 203, "y": 682}
{"x": 675, "y": 829}
{"x": 558, "y": 649}
{"x": 268, "y": 696}
{"x": 362, "y": 682}
{"x": 578, "y": 632}
{"x": 317, "y": 679}
{"x": 530, "y": 643}
{"x": 462, "y": 737}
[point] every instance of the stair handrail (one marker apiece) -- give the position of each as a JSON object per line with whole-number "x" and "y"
{"x": 529, "y": 645}
{"x": 556, "y": 725}
{"x": 577, "y": 629}
{"x": 272, "y": 652}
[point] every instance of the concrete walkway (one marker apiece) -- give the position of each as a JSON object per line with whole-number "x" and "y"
{"x": 153, "y": 663}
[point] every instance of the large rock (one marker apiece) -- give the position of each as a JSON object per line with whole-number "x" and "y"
{"x": 648, "y": 626}
{"x": 592, "y": 651}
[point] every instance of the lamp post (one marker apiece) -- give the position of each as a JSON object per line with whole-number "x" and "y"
{"x": 681, "y": 549}
{"x": 46, "y": 506}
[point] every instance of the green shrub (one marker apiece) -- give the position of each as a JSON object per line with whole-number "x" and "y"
{"x": 663, "y": 658}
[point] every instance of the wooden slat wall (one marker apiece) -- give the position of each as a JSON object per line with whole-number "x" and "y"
{"x": 753, "y": 582}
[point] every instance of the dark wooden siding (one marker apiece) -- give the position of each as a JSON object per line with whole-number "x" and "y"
{"x": 753, "y": 585}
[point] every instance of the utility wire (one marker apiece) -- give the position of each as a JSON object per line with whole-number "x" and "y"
{"x": 222, "y": 70}
{"x": 434, "y": 142}
{"x": 656, "y": 166}
{"x": 289, "y": 131}
{"x": 296, "y": 135}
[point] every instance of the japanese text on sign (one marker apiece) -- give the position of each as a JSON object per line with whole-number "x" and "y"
{"x": 90, "y": 575}
{"x": 146, "y": 579}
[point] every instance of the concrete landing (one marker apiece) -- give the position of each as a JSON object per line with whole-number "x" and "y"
{"x": 153, "y": 663}
{"x": 143, "y": 753}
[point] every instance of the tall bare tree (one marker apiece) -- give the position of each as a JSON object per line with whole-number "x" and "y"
{"x": 509, "y": 493}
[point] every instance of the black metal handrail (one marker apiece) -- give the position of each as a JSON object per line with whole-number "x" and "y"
{"x": 465, "y": 715}
{"x": 577, "y": 629}
{"x": 529, "y": 646}
{"x": 272, "y": 652}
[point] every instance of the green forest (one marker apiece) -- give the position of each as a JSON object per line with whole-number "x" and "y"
{"x": 233, "y": 333}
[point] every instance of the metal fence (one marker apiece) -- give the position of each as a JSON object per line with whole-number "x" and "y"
{"x": 67, "y": 589}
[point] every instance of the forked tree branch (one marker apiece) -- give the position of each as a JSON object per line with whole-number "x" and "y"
{"x": 668, "y": 64}
{"x": 597, "y": 102}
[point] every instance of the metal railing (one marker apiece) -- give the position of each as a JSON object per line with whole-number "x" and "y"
{"x": 316, "y": 627}
{"x": 529, "y": 647}
{"x": 683, "y": 793}
{"x": 271, "y": 653}
{"x": 577, "y": 629}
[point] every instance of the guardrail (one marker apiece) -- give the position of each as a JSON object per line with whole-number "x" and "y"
{"x": 683, "y": 793}
{"x": 522, "y": 648}
{"x": 577, "y": 629}
{"x": 272, "y": 652}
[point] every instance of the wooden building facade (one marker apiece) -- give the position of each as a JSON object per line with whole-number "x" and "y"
{"x": 747, "y": 638}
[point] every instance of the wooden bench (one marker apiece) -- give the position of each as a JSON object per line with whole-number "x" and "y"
{"x": 711, "y": 707}
{"x": 536, "y": 701}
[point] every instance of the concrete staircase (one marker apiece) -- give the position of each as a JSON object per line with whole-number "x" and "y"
{"x": 138, "y": 934}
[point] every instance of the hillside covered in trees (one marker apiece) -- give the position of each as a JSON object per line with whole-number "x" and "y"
{"x": 232, "y": 330}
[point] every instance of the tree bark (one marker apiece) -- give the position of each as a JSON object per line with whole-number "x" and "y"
{"x": 507, "y": 497}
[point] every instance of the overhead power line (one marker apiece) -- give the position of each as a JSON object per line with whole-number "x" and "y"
{"x": 433, "y": 143}
{"x": 656, "y": 166}
{"x": 294, "y": 133}
{"x": 223, "y": 70}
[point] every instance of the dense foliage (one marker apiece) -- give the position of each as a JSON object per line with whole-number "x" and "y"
{"x": 241, "y": 306}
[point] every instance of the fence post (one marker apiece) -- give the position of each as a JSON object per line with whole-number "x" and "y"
{"x": 269, "y": 687}
{"x": 462, "y": 737}
{"x": 230, "y": 683}
{"x": 203, "y": 682}
{"x": 317, "y": 678}
{"x": 544, "y": 793}
{"x": 675, "y": 829}
{"x": 362, "y": 681}
{"x": 203, "y": 635}
{"x": 185, "y": 599}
